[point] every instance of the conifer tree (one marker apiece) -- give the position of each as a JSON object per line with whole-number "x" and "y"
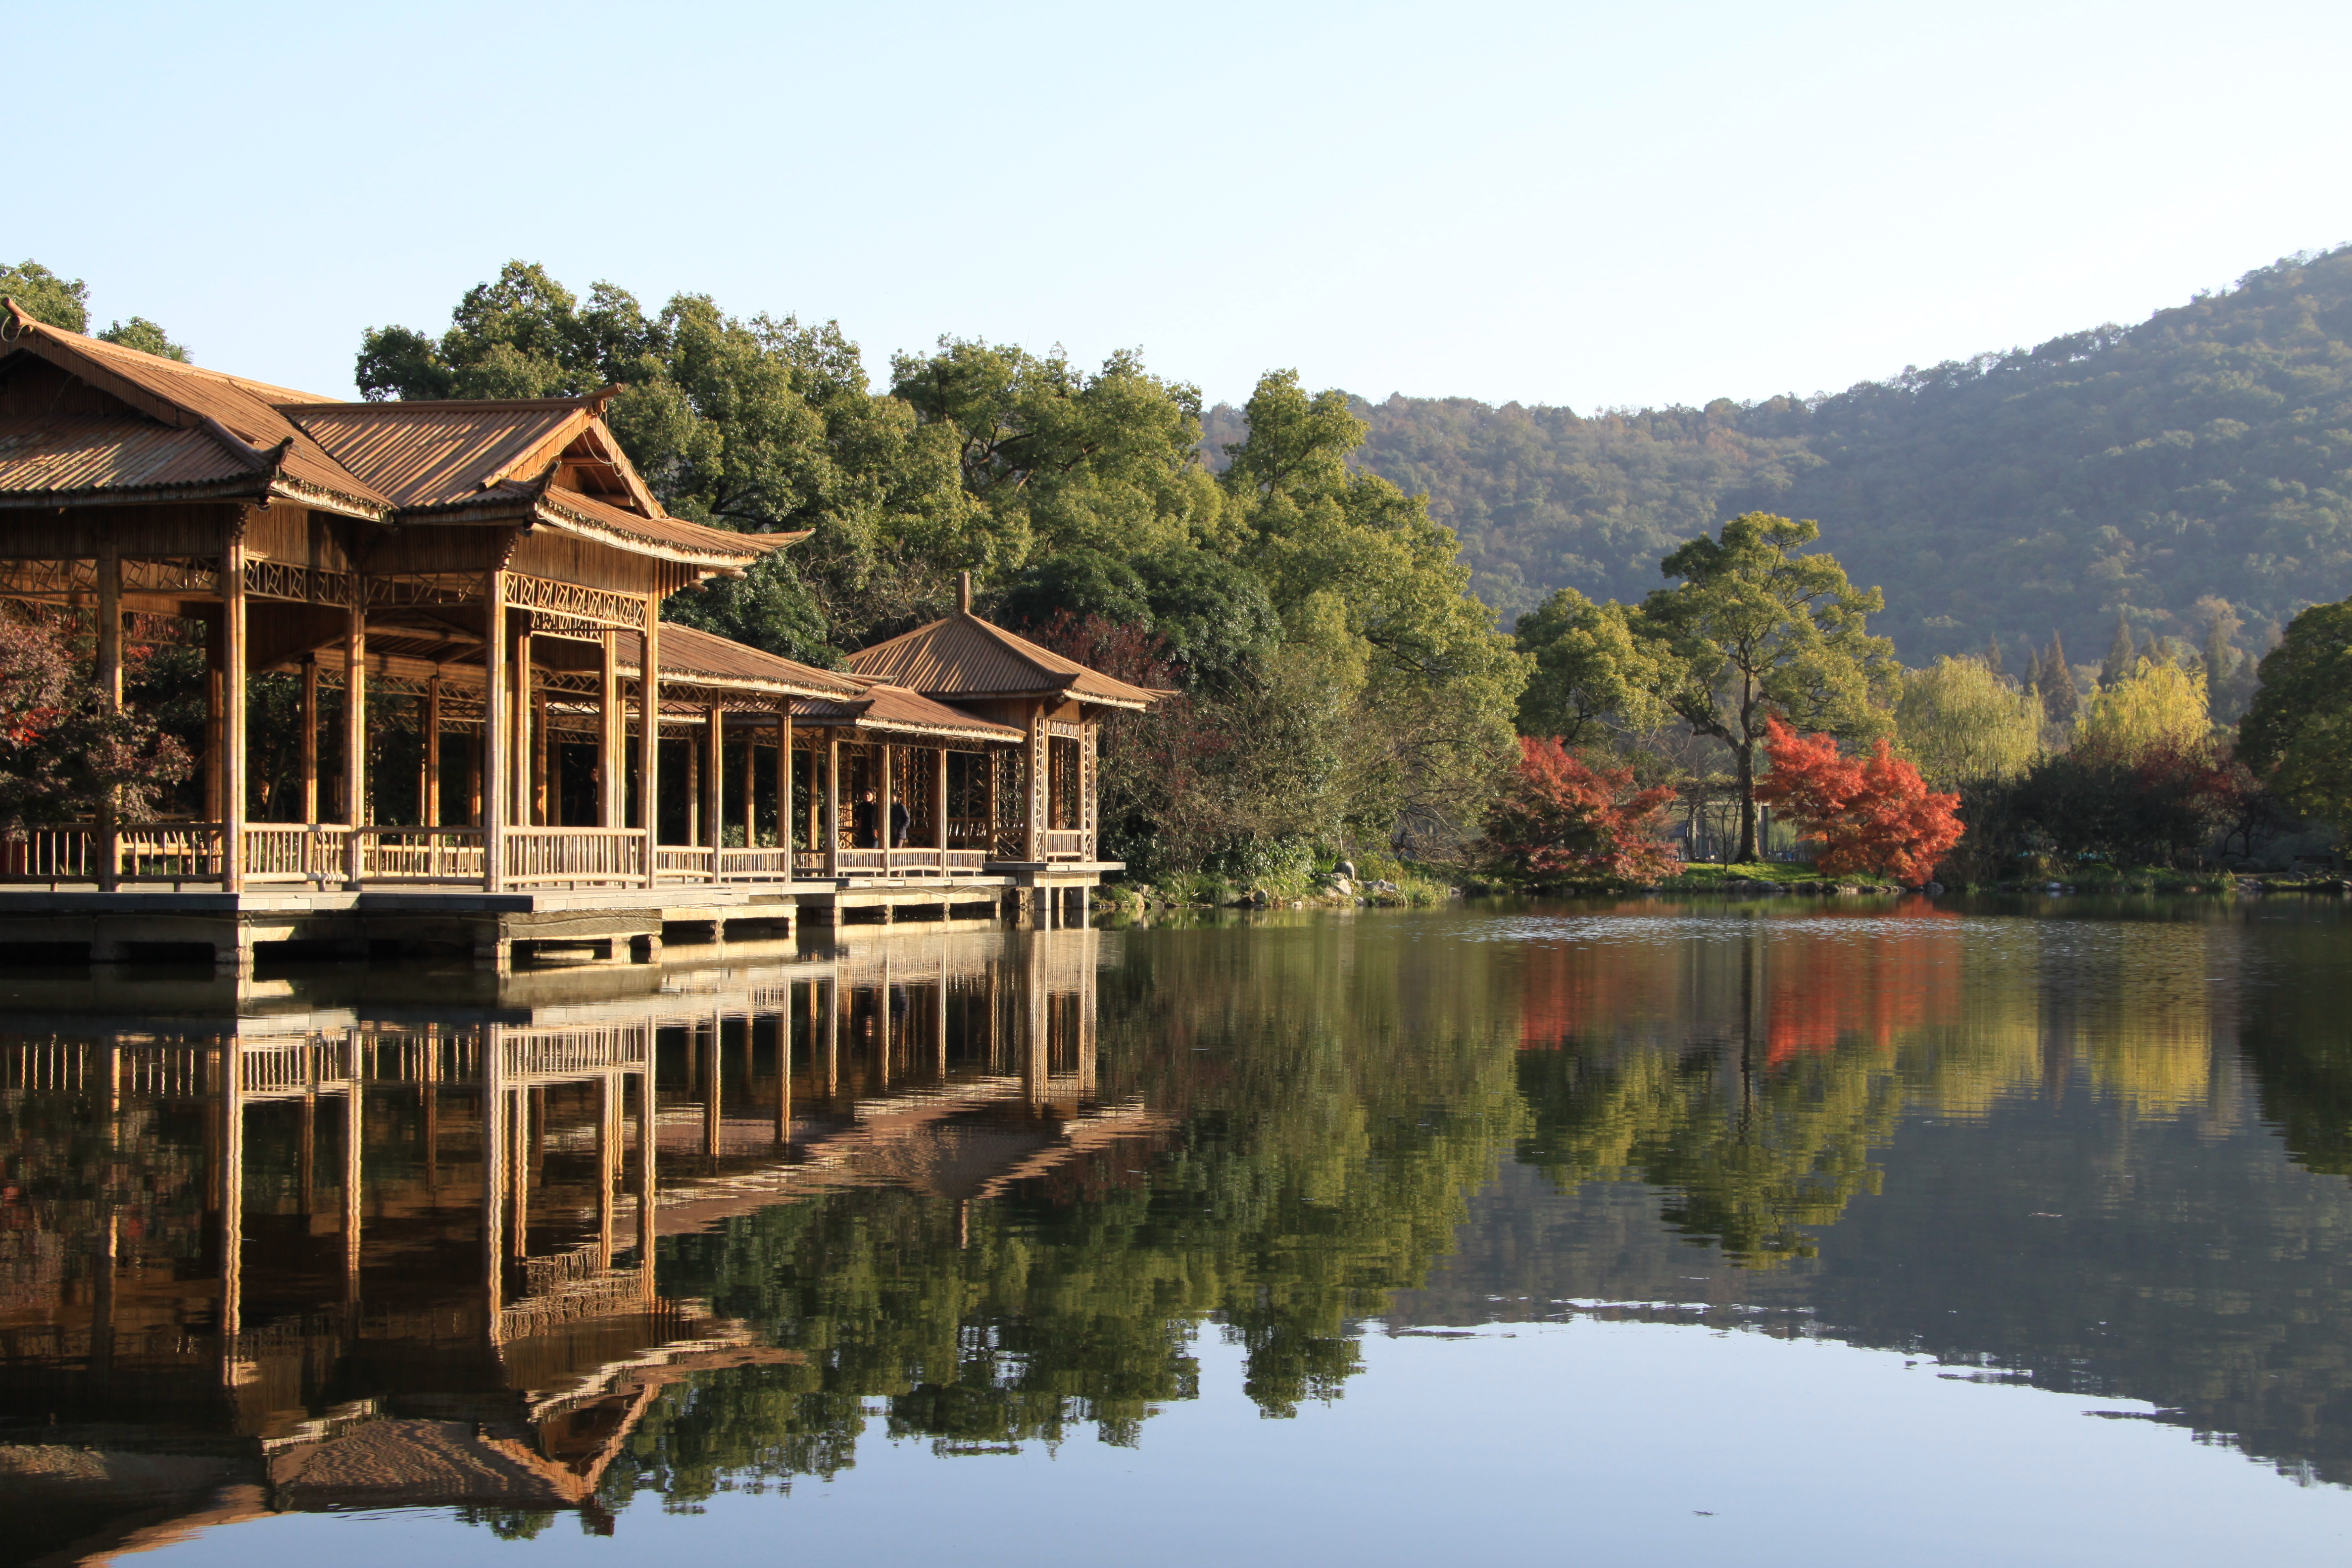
{"x": 2122, "y": 654}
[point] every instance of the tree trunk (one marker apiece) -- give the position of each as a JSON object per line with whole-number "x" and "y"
{"x": 1746, "y": 756}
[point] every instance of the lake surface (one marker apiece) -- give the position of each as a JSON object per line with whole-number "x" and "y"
{"x": 1788, "y": 1232}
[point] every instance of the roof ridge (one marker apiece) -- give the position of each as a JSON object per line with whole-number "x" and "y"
{"x": 445, "y": 405}
{"x": 91, "y": 344}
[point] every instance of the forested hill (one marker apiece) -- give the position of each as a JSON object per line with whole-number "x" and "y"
{"x": 2206, "y": 454}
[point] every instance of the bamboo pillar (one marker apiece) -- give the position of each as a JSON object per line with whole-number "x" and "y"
{"x": 109, "y": 693}
{"x": 233, "y": 743}
{"x": 883, "y": 795}
{"x": 612, "y": 738}
{"x": 940, "y": 811}
{"x": 1033, "y": 837}
{"x": 214, "y": 701}
{"x": 750, "y": 790}
{"x": 693, "y": 791}
{"x": 309, "y": 747}
{"x": 430, "y": 802}
{"x": 546, "y": 790}
{"x": 784, "y": 786}
{"x": 492, "y": 773}
{"x": 714, "y": 785}
{"x": 649, "y": 747}
{"x": 832, "y": 800}
{"x": 355, "y": 812}
{"x": 518, "y": 696}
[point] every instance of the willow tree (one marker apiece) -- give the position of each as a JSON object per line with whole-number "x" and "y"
{"x": 1755, "y": 629}
{"x": 1959, "y": 722}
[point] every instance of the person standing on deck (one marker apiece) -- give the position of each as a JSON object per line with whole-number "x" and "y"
{"x": 865, "y": 821}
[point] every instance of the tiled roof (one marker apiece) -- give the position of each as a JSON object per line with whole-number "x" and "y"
{"x": 964, "y": 655}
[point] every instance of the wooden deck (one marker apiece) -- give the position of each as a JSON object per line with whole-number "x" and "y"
{"x": 153, "y": 920}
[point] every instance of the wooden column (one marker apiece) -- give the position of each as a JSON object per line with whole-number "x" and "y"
{"x": 612, "y": 738}
{"x": 109, "y": 693}
{"x": 518, "y": 696}
{"x": 882, "y": 796}
{"x": 213, "y": 707}
{"x": 495, "y": 790}
{"x": 309, "y": 747}
{"x": 430, "y": 803}
{"x": 546, "y": 790}
{"x": 649, "y": 742}
{"x": 750, "y": 790}
{"x": 233, "y": 746}
{"x": 1034, "y": 829}
{"x": 832, "y": 799}
{"x": 356, "y": 706}
{"x": 784, "y": 785}
{"x": 940, "y": 811}
{"x": 714, "y": 783}
{"x": 693, "y": 789}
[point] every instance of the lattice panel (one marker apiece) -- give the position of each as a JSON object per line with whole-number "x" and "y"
{"x": 601, "y": 606}
{"x": 303, "y": 584}
{"x": 1011, "y": 792}
{"x": 551, "y": 624}
{"x": 429, "y": 588}
{"x": 73, "y": 579}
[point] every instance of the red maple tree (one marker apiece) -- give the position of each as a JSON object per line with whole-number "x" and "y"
{"x": 1559, "y": 816}
{"x": 1870, "y": 813}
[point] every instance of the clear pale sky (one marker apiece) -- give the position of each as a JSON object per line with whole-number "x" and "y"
{"x": 1579, "y": 203}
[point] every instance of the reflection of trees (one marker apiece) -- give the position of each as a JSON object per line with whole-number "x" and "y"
{"x": 1335, "y": 1108}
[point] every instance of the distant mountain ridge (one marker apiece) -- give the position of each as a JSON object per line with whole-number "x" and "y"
{"x": 2202, "y": 459}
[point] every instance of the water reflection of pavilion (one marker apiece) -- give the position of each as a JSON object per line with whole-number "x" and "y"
{"x": 318, "y": 1255}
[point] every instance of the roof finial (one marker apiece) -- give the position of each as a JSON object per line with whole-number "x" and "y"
{"x": 964, "y": 594}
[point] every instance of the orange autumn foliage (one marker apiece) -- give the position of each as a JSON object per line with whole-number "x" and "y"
{"x": 1870, "y": 813}
{"x": 1560, "y": 816}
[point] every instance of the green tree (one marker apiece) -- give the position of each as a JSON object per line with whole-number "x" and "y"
{"x": 759, "y": 425}
{"x": 2298, "y": 732}
{"x": 1593, "y": 677}
{"x": 46, "y": 297}
{"x": 1373, "y": 595}
{"x": 145, "y": 336}
{"x": 1958, "y": 722}
{"x": 1755, "y": 629}
{"x": 1063, "y": 459}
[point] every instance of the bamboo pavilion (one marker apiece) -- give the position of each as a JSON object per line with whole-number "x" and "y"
{"x": 495, "y": 571}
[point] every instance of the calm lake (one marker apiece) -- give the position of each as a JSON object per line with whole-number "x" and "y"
{"x": 1804, "y": 1231}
